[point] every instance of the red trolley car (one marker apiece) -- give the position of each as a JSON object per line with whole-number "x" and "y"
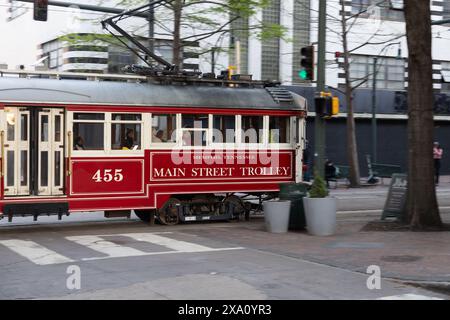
{"x": 126, "y": 143}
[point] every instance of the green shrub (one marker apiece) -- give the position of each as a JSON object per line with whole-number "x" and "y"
{"x": 319, "y": 188}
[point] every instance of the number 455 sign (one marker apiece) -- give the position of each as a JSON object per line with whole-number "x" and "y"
{"x": 108, "y": 175}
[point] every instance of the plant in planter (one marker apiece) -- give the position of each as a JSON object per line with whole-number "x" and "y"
{"x": 319, "y": 188}
{"x": 320, "y": 209}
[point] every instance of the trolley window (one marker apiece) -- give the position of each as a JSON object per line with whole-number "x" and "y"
{"x": 224, "y": 129}
{"x": 253, "y": 129}
{"x": 126, "y": 131}
{"x": 280, "y": 130}
{"x": 164, "y": 128}
{"x": 195, "y": 130}
{"x": 88, "y": 131}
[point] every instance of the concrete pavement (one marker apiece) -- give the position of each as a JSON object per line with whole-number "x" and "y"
{"x": 130, "y": 260}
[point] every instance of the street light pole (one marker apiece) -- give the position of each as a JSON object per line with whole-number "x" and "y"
{"x": 319, "y": 124}
{"x": 374, "y": 111}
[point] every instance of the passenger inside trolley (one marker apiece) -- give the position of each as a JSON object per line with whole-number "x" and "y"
{"x": 79, "y": 143}
{"x": 129, "y": 141}
{"x": 158, "y": 137}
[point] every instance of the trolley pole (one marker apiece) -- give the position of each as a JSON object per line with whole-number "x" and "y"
{"x": 151, "y": 27}
{"x": 320, "y": 127}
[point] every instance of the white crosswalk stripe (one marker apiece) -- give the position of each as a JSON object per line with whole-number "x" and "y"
{"x": 40, "y": 255}
{"x": 180, "y": 246}
{"x": 409, "y": 296}
{"x": 35, "y": 252}
{"x": 111, "y": 249}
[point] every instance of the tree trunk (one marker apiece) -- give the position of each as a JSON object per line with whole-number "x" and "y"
{"x": 352, "y": 146}
{"x": 177, "y": 45}
{"x": 422, "y": 206}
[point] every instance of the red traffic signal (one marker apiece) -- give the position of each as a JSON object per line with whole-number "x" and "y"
{"x": 40, "y": 10}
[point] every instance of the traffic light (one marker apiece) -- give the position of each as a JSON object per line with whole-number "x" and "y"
{"x": 332, "y": 107}
{"x": 327, "y": 106}
{"x": 307, "y": 63}
{"x": 40, "y": 10}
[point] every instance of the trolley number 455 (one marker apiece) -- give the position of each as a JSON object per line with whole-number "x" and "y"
{"x": 108, "y": 175}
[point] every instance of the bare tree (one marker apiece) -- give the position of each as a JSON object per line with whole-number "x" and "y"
{"x": 189, "y": 21}
{"x": 422, "y": 206}
{"x": 345, "y": 34}
{"x": 345, "y": 27}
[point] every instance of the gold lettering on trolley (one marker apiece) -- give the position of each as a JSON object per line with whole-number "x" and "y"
{"x": 221, "y": 172}
{"x": 169, "y": 173}
{"x": 212, "y": 172}
{"x": 265, "y": 171}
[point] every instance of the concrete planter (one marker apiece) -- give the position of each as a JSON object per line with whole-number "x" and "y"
{"x": 276, "y": 215}
{"x": 320, "y": 216}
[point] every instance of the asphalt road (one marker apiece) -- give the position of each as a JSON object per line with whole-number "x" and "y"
{"x": 121, "y": 259}
{"x": 130, "y": 261}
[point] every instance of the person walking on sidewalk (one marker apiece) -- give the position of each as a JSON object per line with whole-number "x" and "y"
{"x": 438, "y": 152}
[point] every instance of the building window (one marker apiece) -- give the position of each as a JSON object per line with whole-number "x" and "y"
{"x": 391, "y": 10}
{"x": 86, "y": 60}
{"x": 270, "y": 55}
{"x": 126, "y": 132}
{"x": 390, "y": 72}
{"x": 163, "y": 128}
{"x": 88, "y": 131}
{"x": 445, "y": 77}
{"x": 53, "y": 59}
{"x": 446, "y": 9}
{"x": 87, "y": 48}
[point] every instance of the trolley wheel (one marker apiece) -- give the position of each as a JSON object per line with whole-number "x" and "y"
{"x": 239, "y": 207}
{"x": 147, "y": 216}
{"x": 168, "y": 214}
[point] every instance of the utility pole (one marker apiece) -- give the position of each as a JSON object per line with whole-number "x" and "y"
{"x": 320, "y": 139}
{"x": 374, "y": 111}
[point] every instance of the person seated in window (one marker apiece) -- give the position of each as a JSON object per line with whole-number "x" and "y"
{"x": 79, "y": 143}
{"x": 129, "y": 140}
{"x": 159, "y": 137}
{"x": 187, "y": 139}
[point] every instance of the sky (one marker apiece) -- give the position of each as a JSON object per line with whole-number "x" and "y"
{"x": 19, "y": 38}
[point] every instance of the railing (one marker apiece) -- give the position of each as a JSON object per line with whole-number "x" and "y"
{"x": 71, "y": 75}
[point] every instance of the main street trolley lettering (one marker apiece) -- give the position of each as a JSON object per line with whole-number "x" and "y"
{"x": 222, "y": 172}
{"x": 172, "y": 151}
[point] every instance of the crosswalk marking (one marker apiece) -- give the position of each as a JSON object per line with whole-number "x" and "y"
{"x": 181, "y": 246}
{"x": 111, "y": 249}
{"x": 42, "y": 256}
{"x": 35, "y": 252}
{"x": 409, "y": 296}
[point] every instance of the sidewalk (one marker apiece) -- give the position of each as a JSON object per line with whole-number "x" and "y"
{"x": 444, "y": 186}
{"x": 406, "y": 256}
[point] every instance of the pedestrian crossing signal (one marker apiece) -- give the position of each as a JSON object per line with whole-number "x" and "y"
{"x": 40, "y": 10}
{"x": 327, "y": 106}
